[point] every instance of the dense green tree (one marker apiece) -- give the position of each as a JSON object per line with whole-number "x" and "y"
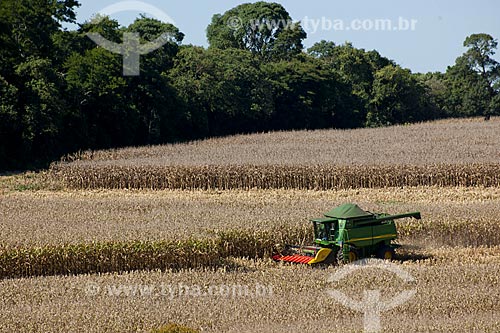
{"x": 473, "y": 81}
{"x": 150, "y": 30}
{"x": 437, "y": 93}
{"x": 306, "y": 94}
{"x": 467, "y": 94}
{"x": 356, "y": 69}
{"x": 32, "y": 105}
{"x": 397, "y": 98}
{"x": 103, "y": 117}
{"x": 105, "y": 26}
{"x": 10, "y": 141}
{"x": 356, "y": 66}
{"x": 43, "y": 107}
{"x": 27, "y": 26}
{"x": 323, "y": 50}
{"x": 264, "y": 28}
{"x": 114, "y": 110}
{"x": 479, "y": 57}
{"x": 224, "y": 91}
{"x": 495, "y": 104}
{"x": 151, "y": 91}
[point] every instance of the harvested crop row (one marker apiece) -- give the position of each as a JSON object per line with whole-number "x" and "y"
{"x": 314, "y": 177}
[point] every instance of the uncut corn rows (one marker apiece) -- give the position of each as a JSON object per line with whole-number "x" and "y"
{"x": 319, "y": 177}
{"x": 130, "y": 256}
{"x": 102, "y": 257}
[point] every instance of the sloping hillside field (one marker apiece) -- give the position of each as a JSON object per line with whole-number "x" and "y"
{"x": 136, "y": 239}
{"x": 444, "y": 153}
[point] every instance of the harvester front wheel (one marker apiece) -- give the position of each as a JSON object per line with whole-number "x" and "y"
{"x": 352, "y": 256}
{"x": 386, "y": 252}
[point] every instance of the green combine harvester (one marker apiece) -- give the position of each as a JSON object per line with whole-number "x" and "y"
{"x": 346, "y": 234}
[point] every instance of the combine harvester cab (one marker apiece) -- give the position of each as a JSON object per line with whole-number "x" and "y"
{"x": 346, "y": 234}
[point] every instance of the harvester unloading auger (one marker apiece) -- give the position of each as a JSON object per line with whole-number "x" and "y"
{"x": 346, "y": 234}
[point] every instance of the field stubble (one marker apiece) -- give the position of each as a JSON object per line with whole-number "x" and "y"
{"x": 451, "y": 215}
{"x": 454, "y": 296}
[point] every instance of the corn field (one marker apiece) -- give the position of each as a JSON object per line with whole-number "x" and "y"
{"x": 275, "y": 177}
{"x": 123, "y": 219}
{"x": 451, "y": 153}
{"x": 140, "y": 255}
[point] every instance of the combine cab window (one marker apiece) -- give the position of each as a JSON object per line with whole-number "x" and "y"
{"x": 322, "y": 230}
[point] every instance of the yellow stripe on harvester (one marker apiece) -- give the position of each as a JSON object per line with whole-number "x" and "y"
{"x": 368, "y": 238}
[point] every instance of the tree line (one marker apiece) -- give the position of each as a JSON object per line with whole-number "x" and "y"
{"x": 60, "y": 92}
